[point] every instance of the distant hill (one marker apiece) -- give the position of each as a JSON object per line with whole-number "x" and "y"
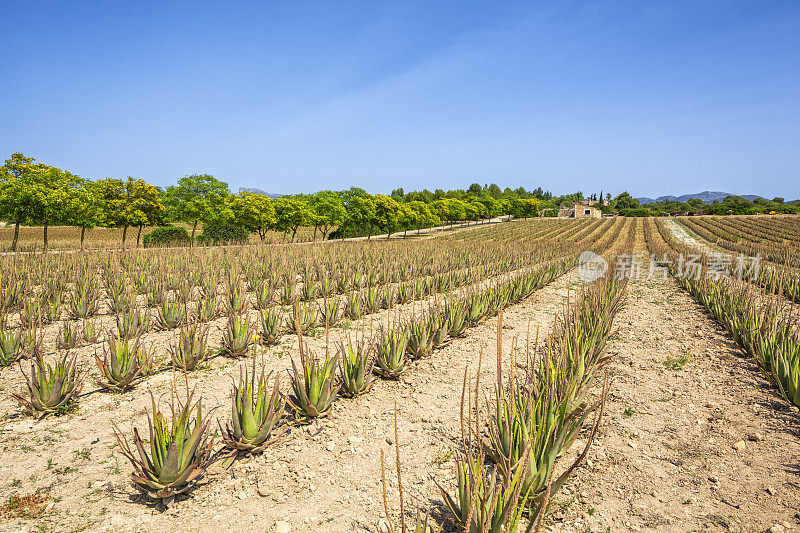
{"x": 259, "y": 191}
{"x": 708, "y": 197}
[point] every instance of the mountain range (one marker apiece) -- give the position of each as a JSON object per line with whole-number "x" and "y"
{"x": 708, "y": 197}
{"x": 259, "y": 191}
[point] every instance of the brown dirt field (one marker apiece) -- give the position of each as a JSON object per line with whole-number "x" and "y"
{"x": 672, "y": 463}
{"x": 700, "y": 445}
{"x": 325, "y": 477}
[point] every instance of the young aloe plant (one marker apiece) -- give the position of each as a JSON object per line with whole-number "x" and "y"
{"x": 355, "y": 305}
{"x": 51, "y": 388}
{"x": 438, "y": 326}
{"x": 331, "y": 312}
{"x": 19, "y": 344}
{"x": 239, "y": 337}
{"x": 355, "y": 368}
{"x": 271, "y": 331}
{"x": 256, "y": 413}
{"x": 420, "y": 339}
{"x": 180, "y": 451}
{"x": 314, "y": 391}
{"x": 303, "y": 319}
{"x": 455, "y": 313}
{"x": 121, "y": 364}
{"x": 265, "y": 295}
{"x": 208, "y": 309}
{"x": 171, "y": 314}
{"x": 132, "y": 323}
{"x": 69, "y": 337}
{"x": 90, "y": 332}
{"x": 390, "y": 350}
{"x": 191, "y": 347}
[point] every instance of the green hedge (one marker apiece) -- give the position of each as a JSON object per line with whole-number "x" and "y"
{"x": 167, "y": 236}
{"x": 223, "y": 234}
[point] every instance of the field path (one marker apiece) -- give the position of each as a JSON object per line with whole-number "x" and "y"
{"x": 696, "y": 444}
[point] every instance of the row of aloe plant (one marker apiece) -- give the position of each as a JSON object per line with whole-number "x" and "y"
{"x": 762, "y": 325}
{"x": 259, "y": 410}
{"x": 506, "y": 463}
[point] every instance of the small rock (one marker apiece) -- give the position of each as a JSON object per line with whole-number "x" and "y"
{"x": 756, "y": 437}
{"x": 330, "y": 446}
{"x": 384, "y": 526}
{"x": 713, "y": 479}
{"x": 631, "y": 444}
{"x": 777, "y": 528}
{"x": 740, "y": 445}
{"x": 389, "y": 441}
{"x": 770, "y": 491}
{"x": 282, "y": 527}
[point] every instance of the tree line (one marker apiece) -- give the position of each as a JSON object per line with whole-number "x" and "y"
{"x": 33, "y": 193}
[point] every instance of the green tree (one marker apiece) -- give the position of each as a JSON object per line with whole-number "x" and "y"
{"x": 360, "y": 209}
{"x": 199, "y": 198}
{"x": 85, "y": 209}
{"x": 254, "y": 212}
{"x": 132, "y": 202}
{"x": 328, "y": 211}
{"x": 20, "y": 188}
{"x": 625, "y": 201}
{"x": 290, "y": 214}
{"x": 387, "y": 214}
{"x": 524, "y": 207}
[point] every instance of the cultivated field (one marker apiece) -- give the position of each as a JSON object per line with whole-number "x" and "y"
{"x": 515, "y": 388}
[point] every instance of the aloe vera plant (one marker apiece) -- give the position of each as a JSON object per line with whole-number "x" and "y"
{"x": 132, "y": 323}
{"x": 271, "y": 320}
{"x": 17, "y": 344}
{"x": 355, "y": 305}
{"x": 420, "y": 339}
{"x": 256, "y": 413}
{"x": 331, "y": 312}
{"x": 171, "y": 314}
{"x": 355, "y": 368}
{"x": 122, "y": 362}
{"x": 90, "y": 331}
{"x": 85, "y": 301}
{"x": 51, "y": 388}
{"x": 239, "y": 337}
{"x": 455, "y": 313}
{"x": 484, "y": 502}
{"x": 237, "y": 303}
{"x": 390, "y": 352}
{"x": 303, "y": 319}
{"x": 208, "y": 309}
{"x": 180, "y": 451}
{"x": 190, "y": 348}
{"x": 314, "y": 391}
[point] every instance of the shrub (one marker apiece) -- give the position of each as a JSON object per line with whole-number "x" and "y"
{"x": 167, "y": 236}
{"x": 223, "y": 234}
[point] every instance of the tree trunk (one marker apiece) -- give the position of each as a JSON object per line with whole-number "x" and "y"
{"x": 124, "y": 234}
{"x": 83, "y": 233}
{"x": 370, "y": 232}
{"x": 194, "y": 227}
{"x": 294, "y": 232}
{"x": 139, "y": 236}
{"x": 16, "y": 236}
{"x": 44, "y": 234}
{"x": 315, "y": 234}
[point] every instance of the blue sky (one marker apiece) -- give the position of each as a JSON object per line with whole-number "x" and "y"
{"x": 651, "y": 97}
